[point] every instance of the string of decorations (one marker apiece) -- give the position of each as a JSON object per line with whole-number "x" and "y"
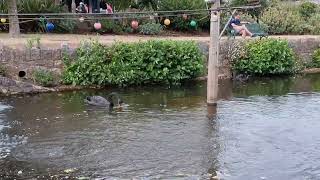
{"x": 47, "y": 18}
{"x": 97, "y": 25}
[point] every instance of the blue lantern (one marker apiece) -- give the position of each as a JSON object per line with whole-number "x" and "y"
{"x": 50, "y": 27}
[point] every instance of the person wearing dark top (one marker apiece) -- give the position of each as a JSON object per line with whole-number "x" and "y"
{"x": 235, "y": 24}
{"x": 103, "y": 4}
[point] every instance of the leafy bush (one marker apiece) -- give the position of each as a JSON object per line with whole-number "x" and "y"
{"x": 36, "y": 6}
{"x": 137, "y": 63}
{"x": 66, "y": 25}
{"x": 148, "y": 4}
{"x": 316, "y": 59}
{"x": 307, "y": 9}
{"x": 43, "y": 77}
{"x": 111, "y": 26}
{"x": 90, "y": 67}
{"x": 2, "y": 70}
{"x": 283, "y": 19}
{"x": 150, "y": 29}
{"x": 178, "y": 23}
{"x": 313, "y": 25}
{"x": 266, "y": 57}
{"x": 33, "y": 42}
{"x": 256, "y": 12}
{"x": 3, "y": 6}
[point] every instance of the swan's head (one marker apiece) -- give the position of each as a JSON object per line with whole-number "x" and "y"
{"x": 120, "y": 101}
{"x": 115, "y": 100}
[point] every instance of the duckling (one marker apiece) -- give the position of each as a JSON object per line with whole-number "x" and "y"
{"x": 101, "y": 101}
{"x": 242, "y": 77}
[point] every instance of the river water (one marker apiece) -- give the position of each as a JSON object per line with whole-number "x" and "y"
{"x": 264, "y": 129}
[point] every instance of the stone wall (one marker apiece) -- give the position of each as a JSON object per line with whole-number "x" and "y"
{"x": 27, "y": 59}
{"x": 304, "y": 47}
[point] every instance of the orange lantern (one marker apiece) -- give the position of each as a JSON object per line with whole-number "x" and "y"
{"x": 167, "y": 22}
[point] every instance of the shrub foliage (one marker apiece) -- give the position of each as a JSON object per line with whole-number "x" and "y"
{"x": 151, "y": 29}
{"x": 307, "y": 9}
{"x": 266, "y": 57}
{"x": 316, "y": 59}
{"x": 43, "y": 77}
{"x": 156, "y": 61}
{"x": 283, "y": 19}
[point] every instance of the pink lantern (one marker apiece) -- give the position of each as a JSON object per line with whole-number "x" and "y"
{"x": 97, "y": 25}
{"x": 134, "y": 24}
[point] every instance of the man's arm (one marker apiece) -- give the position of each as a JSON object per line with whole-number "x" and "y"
{"x": 245, "y": 22}
{"x": 234, "y": 25}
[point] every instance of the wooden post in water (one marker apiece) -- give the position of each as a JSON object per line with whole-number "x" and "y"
{"x": 212, "y": 82}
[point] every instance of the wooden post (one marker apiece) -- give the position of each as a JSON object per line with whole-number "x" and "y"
{"x": 57, "y": 2}
{"x": 14, "y": 28}
{"x": 90, "y": 6}
{"x": 73, "y": 6}
{"x": 212, "y": 112}
{"x": 213, "y": 69}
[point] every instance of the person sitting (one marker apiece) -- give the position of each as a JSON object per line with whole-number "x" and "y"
{"x": 238, "y": 26}
{"x": 82, "y": 8}
{"x": 109, "y": 9}
{"x": 105, "y": 5}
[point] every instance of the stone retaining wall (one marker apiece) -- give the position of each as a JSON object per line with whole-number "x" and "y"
{"x": 29, "y": 59}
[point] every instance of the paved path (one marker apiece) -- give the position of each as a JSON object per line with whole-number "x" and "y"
{"x": 55, "y": 40}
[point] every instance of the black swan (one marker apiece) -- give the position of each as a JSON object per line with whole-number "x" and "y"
{"x": 101, "y": 101}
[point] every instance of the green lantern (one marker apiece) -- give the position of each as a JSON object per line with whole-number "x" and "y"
{"x": 193, "y": 23}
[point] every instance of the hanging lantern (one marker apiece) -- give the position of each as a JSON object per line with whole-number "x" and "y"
{"x": 134, "y": 24}
{"x": 167, "y": 22}
{"x": 193, "y": 23}
{"x": 3, "y": 20}
{"x": 50, "y": 27}
{"x": 184, "y": 16}
{"x": 81, "y": 19}
{"x": 97, "y": 26}
{"x": 41, "y": 19}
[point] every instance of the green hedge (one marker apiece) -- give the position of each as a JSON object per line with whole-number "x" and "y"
{"x": 150, "y": 29}
{"x": 283, "y": 19}
{"x": 289, "y": 18}
{"x": 43, "y": 77}
{"x": 266, "y": 57}
{"x": 2, "y": 70}
{"x": 156, "y": 61}
{"x": 307, "y": 9}
{"x": 315, "y": 59}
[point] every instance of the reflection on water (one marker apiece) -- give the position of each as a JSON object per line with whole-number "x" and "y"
{"x": 266, "y": 129}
